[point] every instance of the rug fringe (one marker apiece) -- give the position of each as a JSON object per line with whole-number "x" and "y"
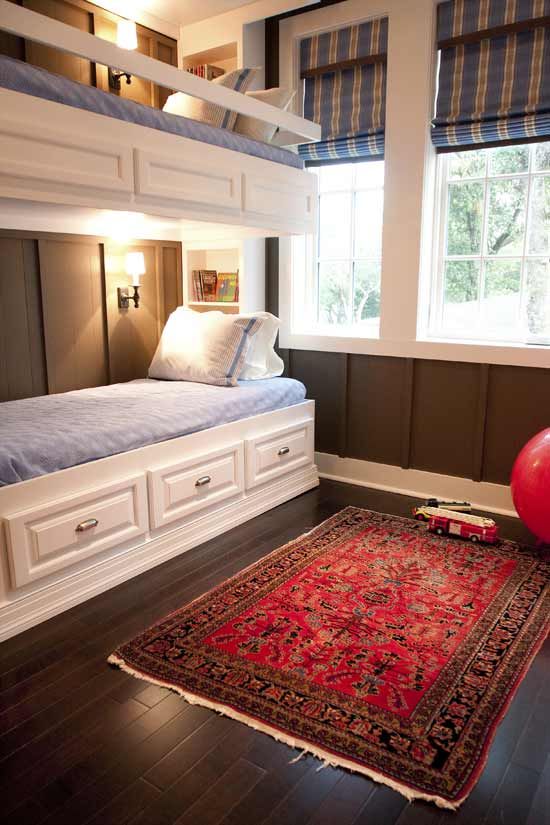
{"x": 328, "y": 759}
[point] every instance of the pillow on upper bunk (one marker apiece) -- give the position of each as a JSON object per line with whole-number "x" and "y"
{"x": 261, "y": 360}
{"x": 258, "y": 129}
{"x": 181, "y": 104}
{"x": 208, "y": 347}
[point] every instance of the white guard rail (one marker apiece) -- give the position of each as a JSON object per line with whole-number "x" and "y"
{"x": 33, "y": 26}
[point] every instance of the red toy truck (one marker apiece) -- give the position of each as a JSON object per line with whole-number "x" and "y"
{"x": 449, "y": 522}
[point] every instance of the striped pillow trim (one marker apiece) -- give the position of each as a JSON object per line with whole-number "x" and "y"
{"x": 239, "y": 343}
{"x": 238, "y": 80}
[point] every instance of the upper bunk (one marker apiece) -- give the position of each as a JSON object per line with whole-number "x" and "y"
{"x": 62, "y": 142}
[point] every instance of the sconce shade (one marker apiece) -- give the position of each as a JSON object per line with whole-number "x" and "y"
{"x": 135, "y": 265}
{"x": 126, "y": 36}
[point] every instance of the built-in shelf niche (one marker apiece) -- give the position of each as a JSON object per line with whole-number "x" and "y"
{"x": 224, "y": 57}
{"x": 245, "y": 256}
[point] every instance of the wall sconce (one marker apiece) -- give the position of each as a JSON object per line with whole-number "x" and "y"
{"x": 126, "y": 38}
{"x": 135, "y": 266}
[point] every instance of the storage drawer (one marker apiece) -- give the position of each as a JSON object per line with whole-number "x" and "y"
{"x": 284, "y": 200}
{"x": 176, "y": 491}
{"x": 59, "y": 157}
{"x": 56, "y": 535}
{"x": 185, "y": 181}
{"x": 277, "y": 453}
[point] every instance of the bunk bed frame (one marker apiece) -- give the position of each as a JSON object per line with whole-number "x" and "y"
{"x": 74, "y": 533}
{"x": 81, "y": 158}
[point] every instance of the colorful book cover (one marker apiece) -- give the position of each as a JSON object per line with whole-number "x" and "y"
{"x": 226, "y": 286}
{"x": 209, "y": 280}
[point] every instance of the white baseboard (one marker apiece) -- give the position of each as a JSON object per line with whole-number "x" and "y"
{"x": 31, "y": 609}
{"x": 495, "y": 498}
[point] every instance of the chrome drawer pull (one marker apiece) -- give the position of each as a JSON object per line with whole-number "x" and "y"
{"x": 200, "y": 482}
{"x": 284, "y": 451}
{"x": 86, "y": 525}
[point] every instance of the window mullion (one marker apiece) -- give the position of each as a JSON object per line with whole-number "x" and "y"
{"x": 351, "y": 251}
{"x": 484, "y": 242}
{"x": 528, "y": 217}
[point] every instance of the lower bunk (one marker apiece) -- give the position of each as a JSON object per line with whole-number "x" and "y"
{"x": 70, "y": 534}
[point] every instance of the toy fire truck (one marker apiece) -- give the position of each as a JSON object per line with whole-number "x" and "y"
{"x": 452, "y": 523}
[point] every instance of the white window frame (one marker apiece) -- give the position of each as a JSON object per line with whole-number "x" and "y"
{"x": 408, "y": 255}
{"x": 307, "y": 301}
{"x": 436, "y": 327}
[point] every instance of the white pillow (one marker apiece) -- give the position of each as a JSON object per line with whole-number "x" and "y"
{"x": 197, "y": 109}
{"x": 208, "y": 347}
{"x": 261, "y": 359}
{"x": 258, "y": 129}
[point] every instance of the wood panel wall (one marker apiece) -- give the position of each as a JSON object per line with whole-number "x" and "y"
{"x": 454, "y": 418}
{"x": 90, "y": 18}
{"x": 60, "y": 325}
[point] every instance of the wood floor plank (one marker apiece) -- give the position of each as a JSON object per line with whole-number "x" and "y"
{"x": 95, "y": 783}
{"x": 188, "y": 789}
{"x": 280, "y": 777}
{"x": 513, "y": 801}
{"x": 384, "y": 805}
{"x": 238, "y": 780}
{"x": 127, "y": 804}
{"x": 539, "y": 813}
{"x": 345, "y": 802}
{"x": 305, "y": 799}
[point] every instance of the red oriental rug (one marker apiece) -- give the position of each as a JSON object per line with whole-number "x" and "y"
{"x": 368, "y": 642}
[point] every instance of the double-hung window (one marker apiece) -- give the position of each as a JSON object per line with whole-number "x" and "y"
{"x": 343, "y": 271}
{"x": 492, "y": 275}
{"x": 336, "y": 272}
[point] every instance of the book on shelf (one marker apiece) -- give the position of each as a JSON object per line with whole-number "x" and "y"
{"x": 209, "y": 283}
{"x": 206, "y": 70}
{"x": 197, "y": 285}
{"x": 228, "y": 287}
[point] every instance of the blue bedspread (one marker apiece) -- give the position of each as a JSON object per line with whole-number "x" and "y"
{"x": 52, "y": 432}
{"x": 22, "y": 77}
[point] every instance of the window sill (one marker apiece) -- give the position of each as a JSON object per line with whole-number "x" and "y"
{"x": 521, "y": 355}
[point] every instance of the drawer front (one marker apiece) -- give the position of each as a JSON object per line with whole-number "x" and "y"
{"x": 177, "y": 491}
{"x": 185, "y": 181}
{"x": 287, "y": 201}
{"x": 59, "y": 157}
{"x": 278, "y": 453}
{"x": 61, "y": 533}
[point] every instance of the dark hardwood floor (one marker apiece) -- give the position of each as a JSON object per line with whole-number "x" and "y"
{"x": 81, "y": 742}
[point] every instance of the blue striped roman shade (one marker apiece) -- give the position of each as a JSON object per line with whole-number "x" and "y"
{"x": 349, "y": 103}
{"x": 498, "y": 87}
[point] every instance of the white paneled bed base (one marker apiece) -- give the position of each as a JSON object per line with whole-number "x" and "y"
{"x": 57, "y": 154}
{"x": 128, "y": 513}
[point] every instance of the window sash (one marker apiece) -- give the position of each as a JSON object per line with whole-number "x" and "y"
{"x": 350, "y": 260}
{"x": 436, "y": 324}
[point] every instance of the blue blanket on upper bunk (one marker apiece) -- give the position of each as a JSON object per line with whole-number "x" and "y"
{"x": 22, "y": 77}
{"x": 53, "y": 432}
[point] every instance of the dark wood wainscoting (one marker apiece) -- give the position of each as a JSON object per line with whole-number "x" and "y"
{"x": 60, "y": 325}
{"x": 92, "y": 19}
{"x": 454, "y": 418}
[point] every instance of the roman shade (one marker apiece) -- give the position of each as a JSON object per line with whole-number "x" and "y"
{"x": 494, "y": 75}
{"x": 345, "y": 90}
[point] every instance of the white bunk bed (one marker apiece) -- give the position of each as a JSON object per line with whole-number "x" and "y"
{"x": 72, "y": 533}
{"x": 55, "y": 153}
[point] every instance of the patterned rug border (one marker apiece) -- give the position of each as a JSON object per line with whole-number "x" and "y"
{"x": 327, "y": 757}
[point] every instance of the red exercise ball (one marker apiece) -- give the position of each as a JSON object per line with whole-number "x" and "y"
{"x": 531, "y": 485}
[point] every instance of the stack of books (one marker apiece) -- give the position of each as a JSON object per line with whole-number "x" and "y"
{"x": 210, "y": 286}
{"x": 206, "y": 70}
